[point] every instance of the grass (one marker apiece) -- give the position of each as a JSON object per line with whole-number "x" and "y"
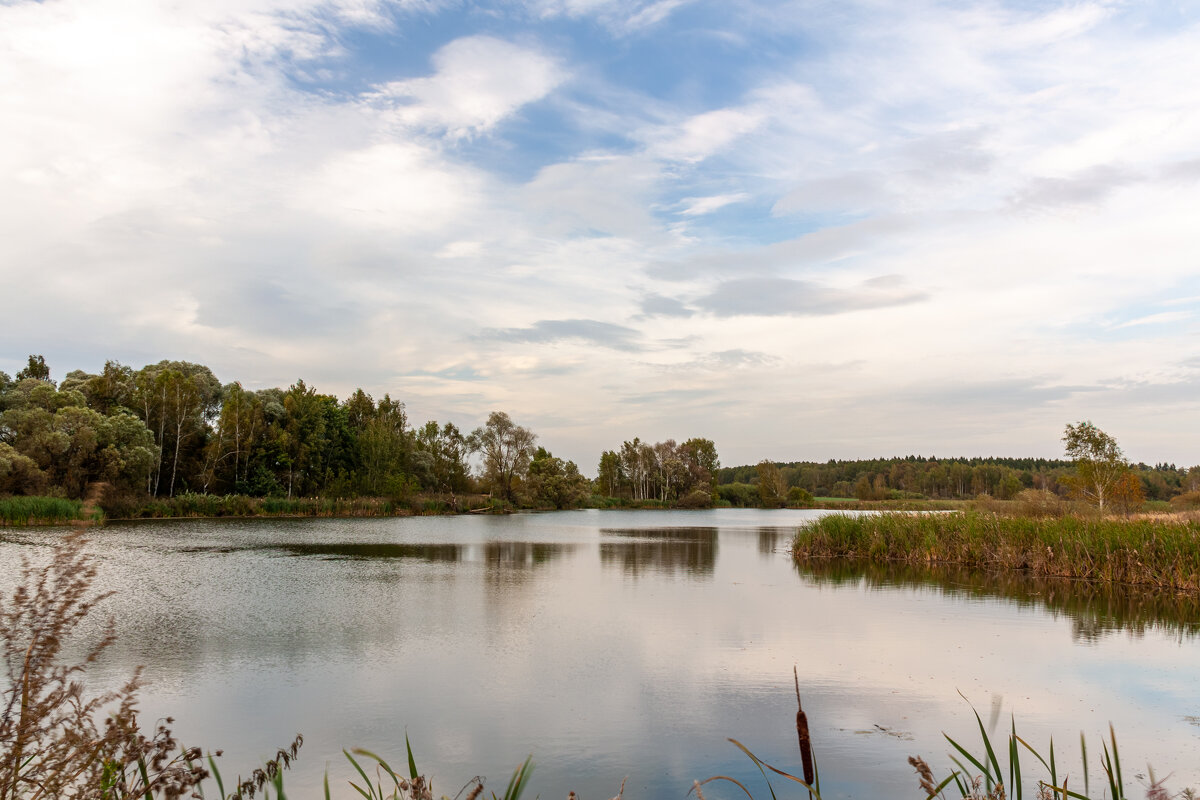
{"x": 194, "y": 505}
{"x": 39, "y": 510}
{"x": 1161, "y": 553}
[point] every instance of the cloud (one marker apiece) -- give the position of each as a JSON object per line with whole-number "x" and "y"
{"x": 1161, "y": 318}
{"x": 852, "y": 192}
{"x": 1090, "y": 187}
{"x": 479, "y": 81}
{"x": 696, "y": 206}
{"x": 619, "y": 16}
{"x": 550, "y": 331}
{"x": 787, "y": 297}
{"x": 657, "y": 305}
{"x": 702, "y": 135}
{"x": 723, "y": 360}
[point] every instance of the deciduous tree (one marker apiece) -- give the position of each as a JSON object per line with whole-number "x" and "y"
{"x": 506, "y": 449}
{"x": 1099, "y": 462}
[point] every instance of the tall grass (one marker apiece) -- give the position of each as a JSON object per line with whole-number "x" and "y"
{"x": 232, "y": 505}
{"x": 38, "y": 510}
{"x": 1153, "y": 552}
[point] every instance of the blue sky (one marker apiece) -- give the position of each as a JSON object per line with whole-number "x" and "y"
{"x": 806, "y": 230}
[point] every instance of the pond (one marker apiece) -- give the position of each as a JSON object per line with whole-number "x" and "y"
{"x": 614, "y": 644}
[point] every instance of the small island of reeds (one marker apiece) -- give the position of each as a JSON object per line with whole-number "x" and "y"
{"x": 1162, "y": 552}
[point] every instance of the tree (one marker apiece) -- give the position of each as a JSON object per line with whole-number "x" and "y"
{"x": 554, "y": 483}
{"x": 610, "y": 474}
{"x": 772, "y": 490}
{"x": 36, "y": 369}
{"x": 1099, "y": 462}
{"x": 506, "y": 448}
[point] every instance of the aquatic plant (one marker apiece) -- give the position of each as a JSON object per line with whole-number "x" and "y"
{"x": 1162, "y": 553}
{"x": 32, "y": 510}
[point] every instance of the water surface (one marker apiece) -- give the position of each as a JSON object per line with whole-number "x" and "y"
{"x": 612, "y": 644}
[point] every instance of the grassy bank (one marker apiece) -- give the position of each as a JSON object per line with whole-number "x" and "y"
{"x": 1163, "y": 553}
{"x": 39, "y": 510}
{"x": 234, "y": 505}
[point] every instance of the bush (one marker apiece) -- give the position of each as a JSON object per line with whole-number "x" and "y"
{"x": 1039, "y": 503}
{"x": 697, "y": 498}
{"x": 1186, "y": 501}
{"x": 799, "y": 497}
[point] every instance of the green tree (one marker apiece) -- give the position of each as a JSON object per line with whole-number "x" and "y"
{"x": 52, "y": 439}
{"x": 506, "y": 449}
{"x": 609, "y": 474}
{"x": 36, "y": 369}
{"x": 554, "y": 483}
{"x": 772, "y": 489}
{"x": 1099, "y": 462}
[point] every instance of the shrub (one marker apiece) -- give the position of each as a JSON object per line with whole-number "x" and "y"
{"x": 697, "y": 498}
{"x": 1186, "y": 501}
{"x": 1039, "y": 503}
{"x": 799, "y": 497}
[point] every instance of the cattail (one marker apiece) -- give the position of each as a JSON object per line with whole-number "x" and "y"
{"x": 806, "y": 758}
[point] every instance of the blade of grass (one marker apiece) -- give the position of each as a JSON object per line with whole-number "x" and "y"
{"x": 1083, "y": 751}
{"x": 412, "y": 763}
{"x": 366, "y": 780}
{"x": 976, "y": 762}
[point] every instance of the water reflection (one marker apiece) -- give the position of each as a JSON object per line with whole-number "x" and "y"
{"x": 1094, "y": 609}
{"x": 661, "y": 551}
{"x": 769, "y": 539}
{"x": 522, "y": 555}
{"x": 359, "y": 550}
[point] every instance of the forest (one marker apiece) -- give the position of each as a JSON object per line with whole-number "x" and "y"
{"x": 172, "y": 428}
{"x": 917, "y": 477}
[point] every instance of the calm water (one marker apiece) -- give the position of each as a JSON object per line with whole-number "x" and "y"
{"x": 613, "y": 644}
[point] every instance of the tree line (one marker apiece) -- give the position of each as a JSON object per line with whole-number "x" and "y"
{"x": 918, "y": 477}
{"x": 172, "y": 427}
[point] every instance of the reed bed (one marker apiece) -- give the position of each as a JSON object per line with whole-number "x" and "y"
{"x": 1160, "y": 553}
{"x": 39, "y": 510}
{"x": 193, "y": 505}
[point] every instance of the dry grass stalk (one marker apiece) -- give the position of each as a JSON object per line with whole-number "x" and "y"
{"x": 51, "y": 745}
{"x": 925, "y": 774}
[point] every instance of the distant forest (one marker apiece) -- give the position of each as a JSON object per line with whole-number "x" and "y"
{"x": 172, "y": 428}
{"x": 917, "y": 477}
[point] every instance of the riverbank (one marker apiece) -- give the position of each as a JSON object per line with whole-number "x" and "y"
{"x": 1156, "y": 551}
{"x": 42, "y": 511}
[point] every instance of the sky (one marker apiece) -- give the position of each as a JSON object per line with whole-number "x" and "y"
{"x": 805, "y": 230}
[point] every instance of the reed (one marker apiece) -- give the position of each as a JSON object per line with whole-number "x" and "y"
{"x": 1161, "y": 553}
{"x": 38, "y": 510}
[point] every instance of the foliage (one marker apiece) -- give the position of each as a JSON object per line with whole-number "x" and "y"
{"x": 772, "y": 488}
{"x": 51, "y": 742}
{"x": 1100, "y": 465}
{"x": 799, "y": 497}
{"x": 1160, "y": 553}
{"x": 38, "y": 510}
{"x": 664, "y": 471}
{"x": 554, "y": 483}
{"x": 507, "y": 449}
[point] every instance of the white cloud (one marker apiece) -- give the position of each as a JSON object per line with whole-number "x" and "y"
{"x": 696, "y": 206}
{"x": 479, "y": 81}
